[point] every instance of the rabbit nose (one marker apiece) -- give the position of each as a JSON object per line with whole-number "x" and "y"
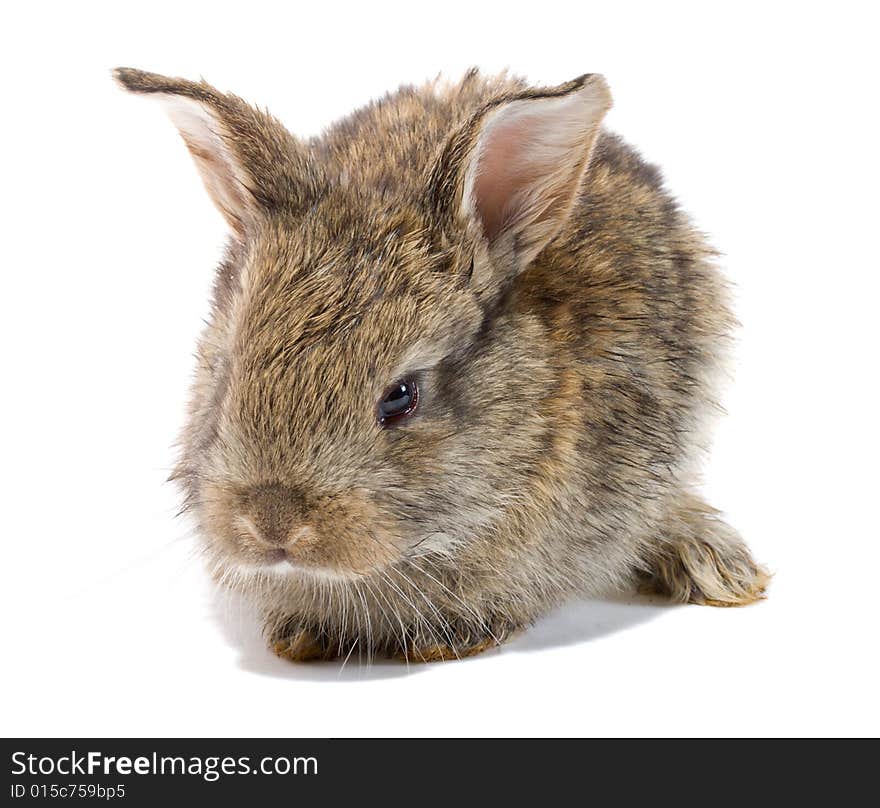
{"x": 276, "y": 538}
{"x": 272, "y": 515}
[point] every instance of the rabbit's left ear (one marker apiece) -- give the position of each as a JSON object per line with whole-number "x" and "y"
{"x": 514, "y": 172}
{"x": 250, "y": 164}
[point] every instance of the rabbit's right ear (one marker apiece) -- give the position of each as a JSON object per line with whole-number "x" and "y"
{"x": 249, "y": 162}
{"x": 511, "y": 175}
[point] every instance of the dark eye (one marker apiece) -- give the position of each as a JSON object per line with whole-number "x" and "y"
{"x": 398, "y": 401}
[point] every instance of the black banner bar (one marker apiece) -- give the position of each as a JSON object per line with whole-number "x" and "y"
{"x": 119, "y": 772}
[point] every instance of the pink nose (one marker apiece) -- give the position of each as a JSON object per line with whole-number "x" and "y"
{"x": 273, "y": 516}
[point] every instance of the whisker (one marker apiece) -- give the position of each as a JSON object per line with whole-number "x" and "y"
{"x": 378, "y": 592}
{"x": 480, "y": 621}
{"x": 445, "y": 627}
{"x": 350, "y": 650}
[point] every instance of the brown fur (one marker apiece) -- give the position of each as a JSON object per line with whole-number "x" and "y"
{"x": 566, "y": 348}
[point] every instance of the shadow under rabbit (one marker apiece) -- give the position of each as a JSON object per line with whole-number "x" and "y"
{"x": 571, "y": 624}
{"x": 587, "y": 620}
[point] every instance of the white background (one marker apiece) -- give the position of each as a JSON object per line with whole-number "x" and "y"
{"x": 764, "y": 119}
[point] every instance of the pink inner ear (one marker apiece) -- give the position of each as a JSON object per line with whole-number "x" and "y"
{"x": 502, "y": 173}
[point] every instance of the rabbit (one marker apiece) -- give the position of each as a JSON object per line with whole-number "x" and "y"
{"x": 463, "y": 351}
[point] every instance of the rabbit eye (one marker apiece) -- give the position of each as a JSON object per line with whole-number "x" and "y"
{"x": 398, "y": 401}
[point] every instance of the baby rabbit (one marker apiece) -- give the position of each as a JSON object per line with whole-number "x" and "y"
{"x": 462, "y": 350}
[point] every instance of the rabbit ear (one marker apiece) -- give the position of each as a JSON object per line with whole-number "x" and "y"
{"x": 514, "y": 172}
{"x": 248, "y": 161}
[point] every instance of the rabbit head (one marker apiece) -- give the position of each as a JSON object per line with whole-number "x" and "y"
{"x": 364, "y": 388}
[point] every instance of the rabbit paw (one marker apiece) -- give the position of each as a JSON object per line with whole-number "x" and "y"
{"x": 457, "y": 645}
{"x": 296, "y": 642}
{"x": 301, "y": 646}
{"x": 700, "y": 559}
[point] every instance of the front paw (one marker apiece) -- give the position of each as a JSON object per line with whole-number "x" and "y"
{"x": 296, "y": 641}
{"x": 301, "y": 647}
{"x": 297, "y": 644}
{"x": 458, "y": 643}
